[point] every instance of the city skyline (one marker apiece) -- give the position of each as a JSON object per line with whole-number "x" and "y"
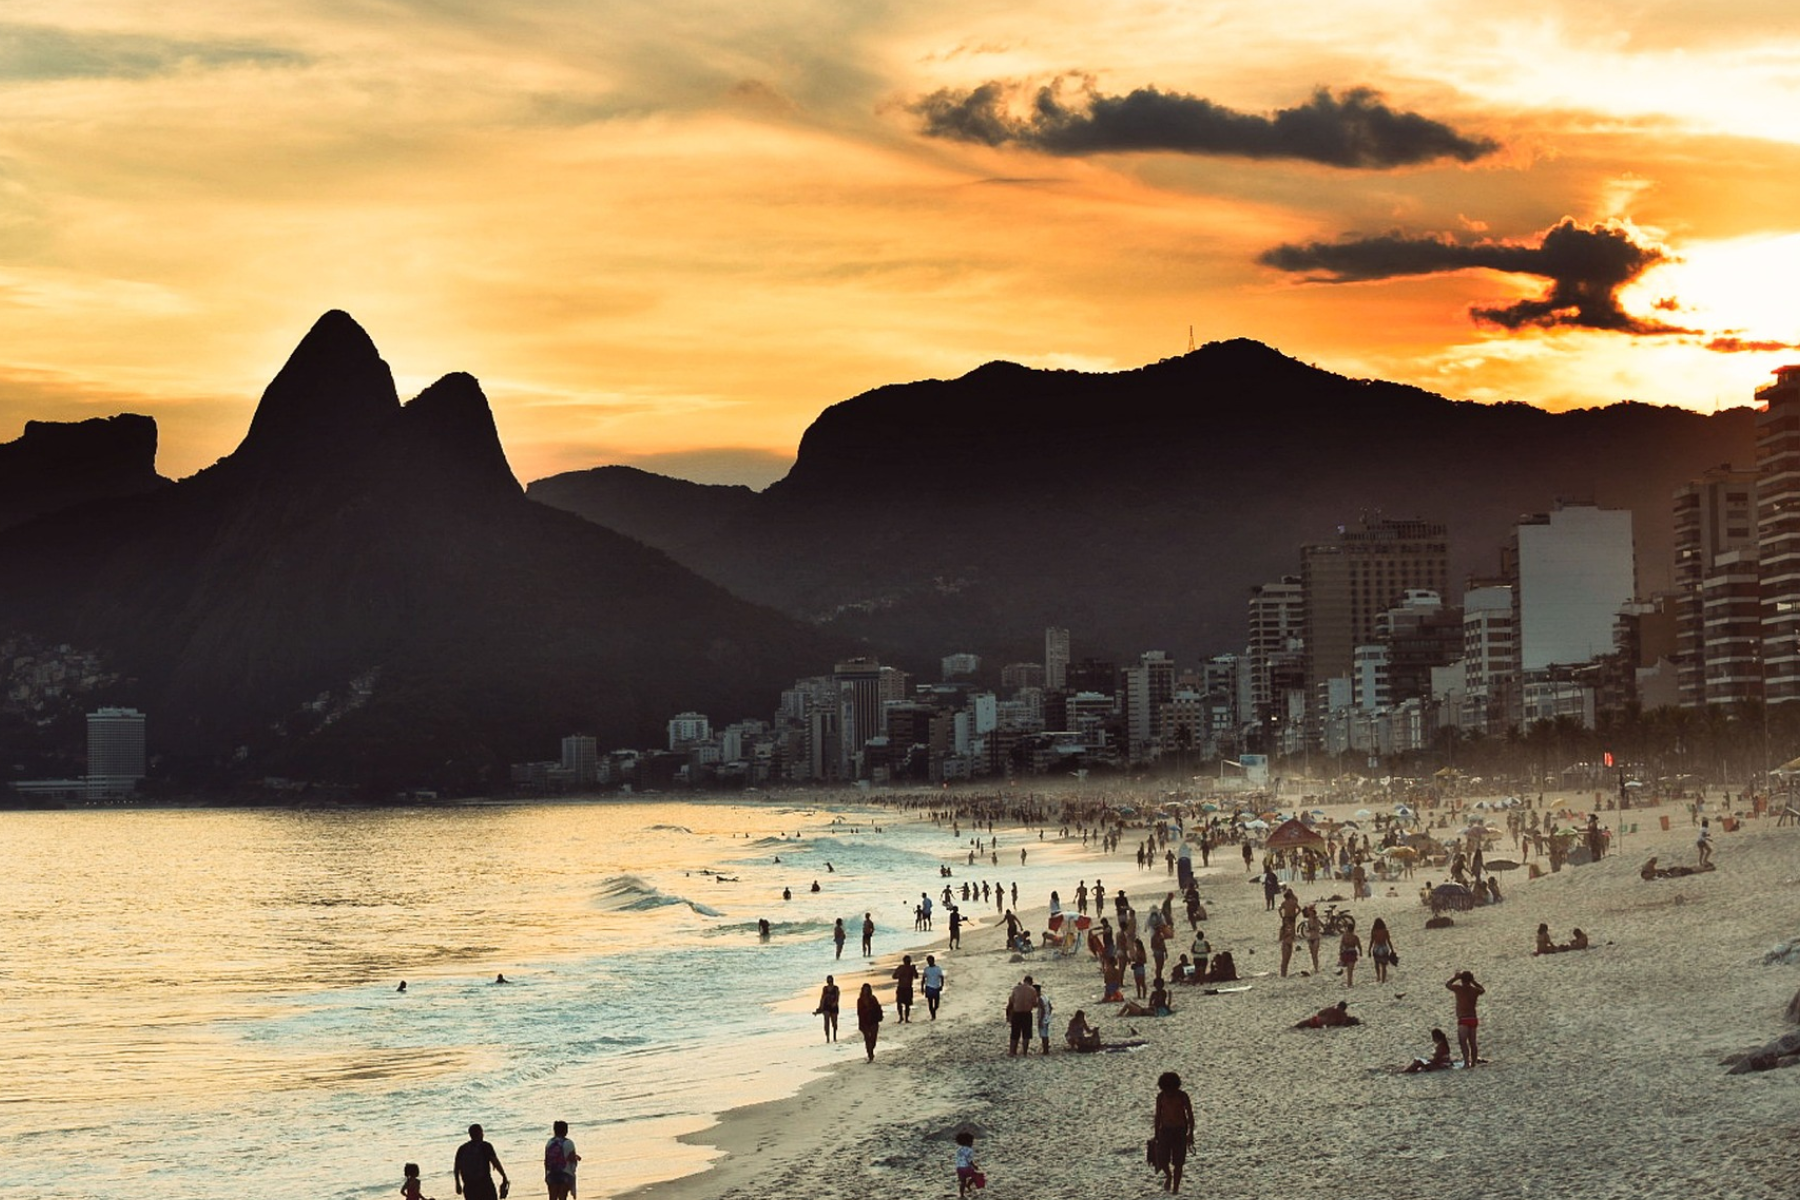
{"x": 673, "y": 238}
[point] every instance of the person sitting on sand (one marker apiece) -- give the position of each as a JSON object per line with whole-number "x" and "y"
{"x": 1223, "y": 968}
{"x": 1331, "y": 1016}
{"x": 1578, "y": 941}
{"x": 1156, "y": 1006}
{"x": 1440, "y": 1055}
{"x": 1544, "y": 943}
{"x": 1081, "y": 1035}
{"x": 1183, "y": 972}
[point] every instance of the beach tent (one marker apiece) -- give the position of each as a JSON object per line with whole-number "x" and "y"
{"x": 1294, "y": 835}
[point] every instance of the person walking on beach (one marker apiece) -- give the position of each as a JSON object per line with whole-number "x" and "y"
{"x": 1467, "y": 992}
{"x": 933, "y": 979}
{"x": 1381, "y": 949}
{"x": 904, "y": 976}
{"x": 1249, "y": 857}
{"x": 868, "y": 934}
{"x": 1021, "y": 1009}
{"x": 955, "y": 928}
{"x": 1173, "y": 1125}
{"x": 838, "y": 935}
{"x": 559, "y": 1162}
{"x": 1044, "y": 1009}
{"x": 1311, "y": 930}
{"x": 868, "y": 1019}
{"x": 828, "y": 1007}
{"x": 965, "y": 1162}
{"x": 1349, "y": 950}
{"x": 1703, "y": 843}
{"x": 473, "y": 1178}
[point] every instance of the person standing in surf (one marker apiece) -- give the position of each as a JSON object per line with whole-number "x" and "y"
{"x": 868, "y": 942}
{"x": 838, "y": 935}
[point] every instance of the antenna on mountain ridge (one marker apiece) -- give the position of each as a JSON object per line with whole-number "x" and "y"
{"x": 1190, "y": 339}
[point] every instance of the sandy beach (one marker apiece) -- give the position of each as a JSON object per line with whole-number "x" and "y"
{"x": 1604, "y": 1077}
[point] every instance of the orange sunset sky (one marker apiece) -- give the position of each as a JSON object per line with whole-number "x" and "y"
{"x": 671, "y": 233}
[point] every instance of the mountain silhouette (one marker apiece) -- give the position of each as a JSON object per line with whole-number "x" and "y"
{"x": 362, "y": 593}
{"x": 58, "y": 464}
{"x": 1136, "y": 508}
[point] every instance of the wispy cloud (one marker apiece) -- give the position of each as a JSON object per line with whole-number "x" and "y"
{"x": 1586, "y": 267}
{"x": 1352, "y": 129}
{"x": 38, "y": 53}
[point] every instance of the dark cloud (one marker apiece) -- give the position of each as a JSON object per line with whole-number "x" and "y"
{"x": 1351, "y": 129}
{"x": 35, "y": 53}
{"x": 1586, "y": 267}
{"x": 1735, "y": 345}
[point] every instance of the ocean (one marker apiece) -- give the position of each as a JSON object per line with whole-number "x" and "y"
{"x": 204, "y": 1003}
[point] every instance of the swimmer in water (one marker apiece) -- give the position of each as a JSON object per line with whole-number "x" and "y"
{"x": 501, "y": 979}
{"x": 402, "y": 986}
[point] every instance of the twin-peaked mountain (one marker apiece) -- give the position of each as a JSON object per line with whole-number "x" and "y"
{"x": 1135, "y": 508}
{"x": 362, "y": 592}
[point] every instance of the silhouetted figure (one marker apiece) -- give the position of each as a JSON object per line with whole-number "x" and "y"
{"x": 473, "y": 1158}
{"x": 402, "y": 986}
{"x": 501, "y": 979}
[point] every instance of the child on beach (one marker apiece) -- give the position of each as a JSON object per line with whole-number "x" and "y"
{"x": 410, "y": 1189}
{"x": 965, "y": 1162}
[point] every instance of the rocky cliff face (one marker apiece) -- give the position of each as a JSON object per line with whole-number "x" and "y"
{"x": 55, "y": 465}
{"x": 361, "y": 592}
{"x": 1137, "y": 508}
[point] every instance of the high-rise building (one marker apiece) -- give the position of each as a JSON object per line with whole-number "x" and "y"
{"x": 1148, "y": 687}
{"x": 115, "y": 750}
{"x": 1276, "y": 656}
{"x": 1576, "y": 570}
{"x": 860, "y": 686}
{"x": 687, "y": 728}
{"x": 1490, "y": 656}
{"x": 1014, "y": 676}
{"x": 1347, "y": 583}
{"x": 581, "y": 758}
{"x": 1715, "y": 532}
{"x": 1056, "y": 658}
{"x": 1778, "y": 533}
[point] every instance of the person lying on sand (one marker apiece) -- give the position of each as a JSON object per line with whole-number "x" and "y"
{"x": 1440, "y": 1055}
{"x": 1330, "y": 1016}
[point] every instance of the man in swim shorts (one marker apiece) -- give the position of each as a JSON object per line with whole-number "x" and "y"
{"x": 1467, "y": 992}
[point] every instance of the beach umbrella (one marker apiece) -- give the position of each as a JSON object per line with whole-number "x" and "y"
{"x": 1363, "y": 814}
{"x": 1400, "y": 852}
{"x": 1259, "y": 823}
{"x": 1400, "y": 810}
{"x": 1209, "y": 806}
{"x": 1501, "y": 864}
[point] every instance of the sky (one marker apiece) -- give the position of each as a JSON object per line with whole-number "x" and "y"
{"x": 670, "y": 234}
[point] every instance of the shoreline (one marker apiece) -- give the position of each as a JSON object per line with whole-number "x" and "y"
{"x": 1604, "y": 1065}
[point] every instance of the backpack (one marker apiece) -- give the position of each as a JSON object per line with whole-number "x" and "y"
{"x": 555, "y": 1160}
